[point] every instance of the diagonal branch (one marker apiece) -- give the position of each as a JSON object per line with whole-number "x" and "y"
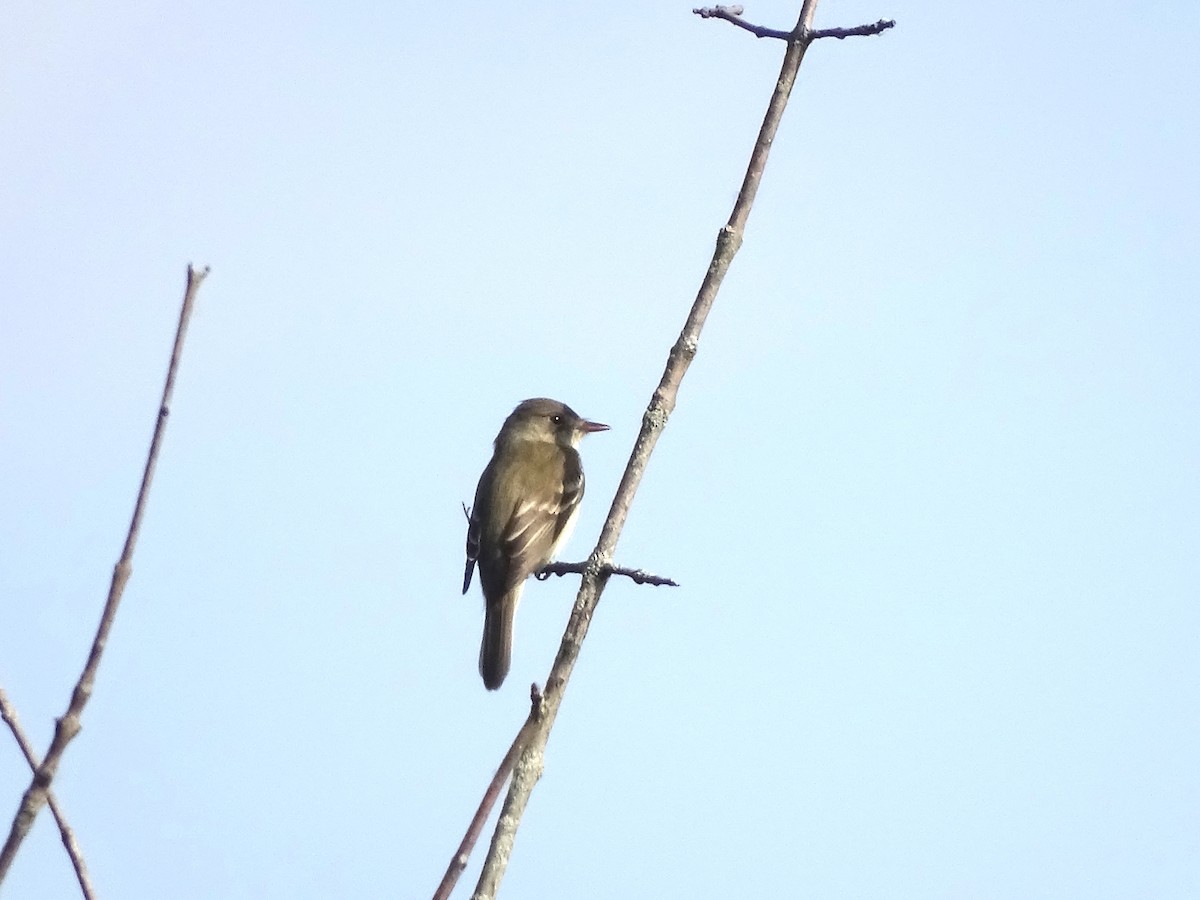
{"x": 9, "y": 715}
{"x": 459, "y": 861}
{"x": 68, "y": 725}
{"x": 529, "y": 765}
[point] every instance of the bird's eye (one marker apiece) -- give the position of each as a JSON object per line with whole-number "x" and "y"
{"x": 556, "y": 419}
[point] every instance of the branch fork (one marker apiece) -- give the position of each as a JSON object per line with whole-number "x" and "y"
{"x": 800, "y": 34}
{"x": 68, "y": 725}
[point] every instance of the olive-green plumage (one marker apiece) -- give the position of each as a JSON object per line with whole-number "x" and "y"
{"x": 525, "y": 508}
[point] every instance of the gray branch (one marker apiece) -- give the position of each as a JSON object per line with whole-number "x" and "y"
{"x": 68, "y": 725}
{"x": 529, "y": 765}
{"x": 459, "y": 861}
{"x": 638, "y": 576}
{"x": 733, "y": 15}
{"x": 9, "y": 715}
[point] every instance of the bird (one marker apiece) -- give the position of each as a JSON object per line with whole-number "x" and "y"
{"x": 525, "y": 508}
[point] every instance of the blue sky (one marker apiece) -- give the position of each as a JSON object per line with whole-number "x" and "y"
{"x": 931, "y": 489}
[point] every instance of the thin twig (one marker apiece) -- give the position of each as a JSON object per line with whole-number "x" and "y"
{"x": 459, "y": 862}
{"x": 717, "y": 12}
{"x": 732, "y": 14}
{"x": 9, "y": 715}
{"x": 638, "y": 576}
{"x": 857, "y": 31}
{"x": 68, "y": 725}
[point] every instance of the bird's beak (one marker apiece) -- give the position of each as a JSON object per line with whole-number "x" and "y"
{"x": 591, "y": 427}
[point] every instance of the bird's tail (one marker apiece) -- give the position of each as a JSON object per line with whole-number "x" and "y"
{"x": 495, "y": 653}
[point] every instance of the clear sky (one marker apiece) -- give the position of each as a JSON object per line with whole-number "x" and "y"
{"x": 932, "y": 488}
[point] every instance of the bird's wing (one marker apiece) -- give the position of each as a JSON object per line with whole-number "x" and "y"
{"x": 572, "y": 496}
{"x": 526, "y": 538}
{"x": 529, "y": 535}
{"x": 472, "y": 546}
{"x": 548, "y": 500}
{"x": 475, "y": 526}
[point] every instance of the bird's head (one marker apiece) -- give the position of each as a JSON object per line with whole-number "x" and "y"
{"x": 541, "y": 419}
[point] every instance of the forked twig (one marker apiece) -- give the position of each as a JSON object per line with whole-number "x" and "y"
{"x": 68, "y": 725}
{"x": 9, "y": 715}
{"x": 733, "y": 15}
{"x": 459, "y": 861}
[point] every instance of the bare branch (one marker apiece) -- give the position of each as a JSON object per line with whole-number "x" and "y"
{"x": 858, "y": 31}
{"x": 528, "y": 768}
{"x": 69, "y": 724}
{"x": 638, "y": 576}
{"x": 9, "y": 715}
{"x": 732, "y": 14}
{"x": 459, "y": 862}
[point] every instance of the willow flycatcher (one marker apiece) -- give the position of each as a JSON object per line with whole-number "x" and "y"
{"x": 525, "y": 508}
